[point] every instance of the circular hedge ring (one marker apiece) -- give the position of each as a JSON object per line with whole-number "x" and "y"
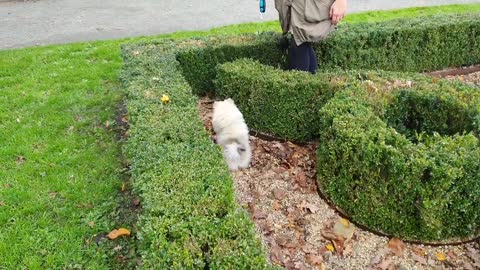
{"x": 405, "y": 163}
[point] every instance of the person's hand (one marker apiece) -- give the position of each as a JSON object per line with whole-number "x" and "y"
{"x": 338, "y": 10}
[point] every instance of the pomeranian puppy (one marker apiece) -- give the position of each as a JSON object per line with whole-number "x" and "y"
{"x": 232, "y": 134}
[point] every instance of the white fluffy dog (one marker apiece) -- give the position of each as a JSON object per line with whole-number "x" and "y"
{"x": 232, "y": 134}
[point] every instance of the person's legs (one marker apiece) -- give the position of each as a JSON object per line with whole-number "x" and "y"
{"x": 299, "y": 56}
{"x": 313, "y": 60}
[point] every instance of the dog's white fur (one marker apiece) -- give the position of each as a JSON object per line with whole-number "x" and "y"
{"x": 232, "y": 134}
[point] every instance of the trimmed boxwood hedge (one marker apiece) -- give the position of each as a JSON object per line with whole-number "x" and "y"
{"x": 198, "y": 62}
{"x": 413, "y": 44}
{"x": 405, "y": 163}
{"x": 190, "y": 219}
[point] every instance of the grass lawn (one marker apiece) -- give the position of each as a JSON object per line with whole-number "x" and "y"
{"x": 59, "y": 160}
{"x": 59, "y": 163}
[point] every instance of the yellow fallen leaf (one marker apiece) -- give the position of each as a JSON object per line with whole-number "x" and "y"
{"x": 441, "y": 257}
{"x": 345, "y": 222}
{"x": 330, "y": 247}
{"x": 165, "y": 99}
{"x": 117, "y": 233}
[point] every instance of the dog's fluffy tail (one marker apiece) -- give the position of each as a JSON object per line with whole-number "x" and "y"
{"x": 232, "y": 155}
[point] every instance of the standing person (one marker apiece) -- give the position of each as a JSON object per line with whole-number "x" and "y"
{"x": 308, "y": 21}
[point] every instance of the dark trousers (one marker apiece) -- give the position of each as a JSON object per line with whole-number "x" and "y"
{"x": 302, "y": 57}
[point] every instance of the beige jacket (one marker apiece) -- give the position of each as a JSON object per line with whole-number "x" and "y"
{"x": 307, "y": 20}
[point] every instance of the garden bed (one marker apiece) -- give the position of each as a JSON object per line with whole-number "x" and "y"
{"x": 280, "y": 192}
{"x": 176, "y": 169}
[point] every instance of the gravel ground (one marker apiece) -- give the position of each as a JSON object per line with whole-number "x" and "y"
{"x": 472, "y": 78}
{"x": 301, "y": 231}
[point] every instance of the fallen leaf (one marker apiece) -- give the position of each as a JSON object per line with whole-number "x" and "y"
{"x": 91, "y": 224}
{"x": 397, "y": 246}
{"x": 322, "y": 250}
{"x": 440, "y": 256}
{"x": 344, "y": 228}
{"x": 419, "y": 251}
{"x": 468, "y": 266}
{"x": 330, "y": 247}
{"x": 348, "y": 248}
{"x": 473, "y": 254}
{"x": 277, "y": 205}
{"x": 117, "y": 248}
{"x": 313, "y": 208}
{"x": 301, "y": 179}
{"x": 266, "y": 148}
{"x": 279, "y": 170}
{"x": 452, "y": 255}
{"x": 288, "y": 263}
{"x": 118, "y": 233}
{"x": 386, "y": 264}
{"x": 419, "y": 259}
{"x": 328, "y": 234}
{"x": 279, "y": 194}
{"x": 287, "y": 241}
{"x": 279, "y": 146}
{"x": 124, "y": 186}
{"x": 376, "y": 260}
{"x": 300, "y": 266}
{"x": 339, "y": 246}
{"x": 258, "y": 214}
{"x": 20, "y": 160}
{"x": 282, "y": 240}
{"x": 276, "y": 254}
{"x": 309, "y": 248}
{"x": 267, "y": 229}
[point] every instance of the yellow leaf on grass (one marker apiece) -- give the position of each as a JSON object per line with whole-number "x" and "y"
{"x": 441, "y": 257}
{"x": 165, "y": 99}
{"x": 117, "y": 233}
{"x": 330, "y": 247}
